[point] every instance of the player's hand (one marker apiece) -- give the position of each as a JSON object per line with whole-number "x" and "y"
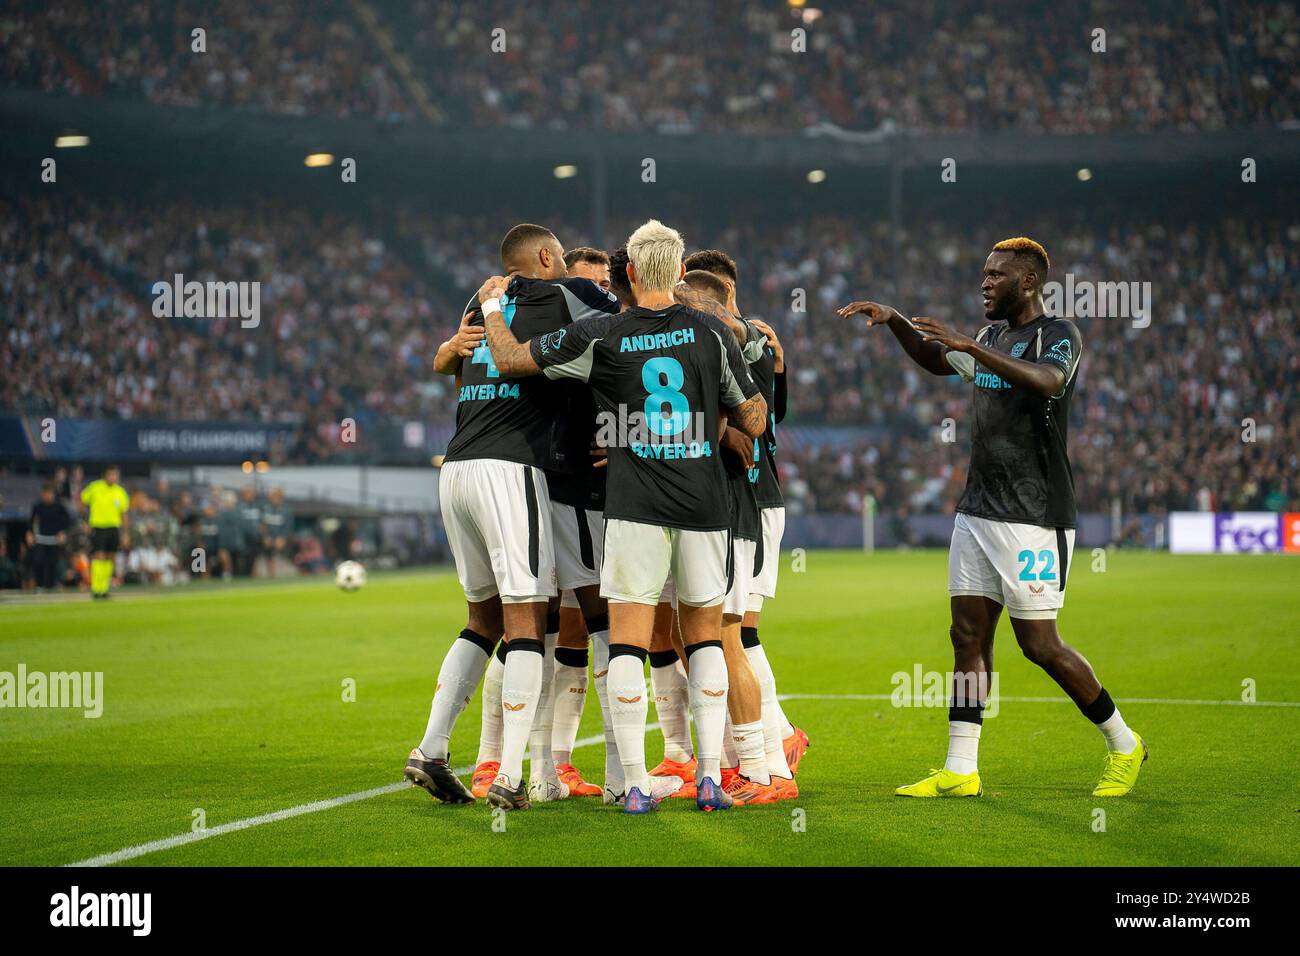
{"x": 772, "y": 340}
{"x": 876, "y": 313}
{"x": 467, "y": 338}
{"x": 741, "y": 445}
{"x": 599, "y": 456}
{"x": 494, "y": 288}
{"x": 933, "y": 331}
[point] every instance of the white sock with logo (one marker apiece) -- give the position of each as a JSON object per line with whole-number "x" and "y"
{"x": 459, "y": 675}
{"x": 541, "y": 765}
{"x": 773, "y": 750}
{"x": 748, "y": 739}
{"x": 672, "y": 706}
{"x": 521, "y": 690}
{"x": 570, "y": 683}
{"x": 600, "y": 677}
{"x": 628, "y": 707}
{"x": 963, "y": 747}
{"x": 708, "y": 686}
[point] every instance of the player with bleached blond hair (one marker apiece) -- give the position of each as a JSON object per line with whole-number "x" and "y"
{"x": 666, "y": 374}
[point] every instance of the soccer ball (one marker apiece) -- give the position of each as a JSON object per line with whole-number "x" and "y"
{"x": 350, "y": 575}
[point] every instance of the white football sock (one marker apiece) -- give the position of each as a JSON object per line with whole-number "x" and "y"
{"x": 600, "y": 677}
{"x": 730, "y": 757}
{"x": 708, "y": 676}
{"x": 489, "y": 736}
{"x": 1118, "y": 736}
{"x": 672, "y": 706}
{"x": 748, "y": 739}
{"x": 763, "y": 671}
{"x": 521, "y": 690}
{"x": 963, "y": 747}
{"x": 541, "y": 765}
{"x": 460, "y": 673}
{"x": 570, "y": 683}
{"x": 628, "y": 707}
{"x": 772, "y": 748}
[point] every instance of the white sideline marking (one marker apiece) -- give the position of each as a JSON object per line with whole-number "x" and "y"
{"x": 1065, "y": 700}
{"x": 183, "y": 839}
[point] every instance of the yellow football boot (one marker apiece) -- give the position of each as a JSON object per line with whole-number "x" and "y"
{"x": 1121, "y": 770}
{"x": 944, "y": 783}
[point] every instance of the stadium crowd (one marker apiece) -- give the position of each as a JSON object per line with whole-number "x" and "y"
{"x": 349, "y": 327}
{"x": 1197, "y": 65}
{"x": 173, "y": 535}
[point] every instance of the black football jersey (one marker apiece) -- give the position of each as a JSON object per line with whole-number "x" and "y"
{"x": 1019, "y": 470}
{"x": 768, "y": 487}
{"x": 522, "y": 419}
{"x": 660, "y": 379}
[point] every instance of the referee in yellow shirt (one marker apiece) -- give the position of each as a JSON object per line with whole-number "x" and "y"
{"x": 106, "y": 503}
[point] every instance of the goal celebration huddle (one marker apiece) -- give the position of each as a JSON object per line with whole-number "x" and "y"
{"x": 611, "y": 496}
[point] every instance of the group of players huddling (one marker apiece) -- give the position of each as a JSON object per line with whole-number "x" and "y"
{"x": 612, "y": 479}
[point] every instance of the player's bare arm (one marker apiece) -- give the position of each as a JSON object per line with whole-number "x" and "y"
{"x": 750, "y": 416}
{"x": 511, "y": 356}
{"x": 740, "y": 444}
{"x": 928, "y": 355}
{"x": 1044, "y": 379}
{"x": 459, "y": 347}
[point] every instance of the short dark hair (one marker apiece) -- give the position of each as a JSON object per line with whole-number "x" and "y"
{"x": 1030, "y": 254}
{"x": 618, "y": 281}
{"x": 586, "y": 254}
{"x": 708, "y": 283}
{"x": 520, "y": 238}
{"x": 712, "y": 260}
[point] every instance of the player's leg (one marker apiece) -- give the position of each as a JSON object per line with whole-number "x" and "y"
{"x": 776, "y": 742}
{"x": 489, "y": 738}
{"x": 429, "y": 765}
{"x": 579, "y": 544}
{"x": 672, "y": 701}
{"x": 515, "y": 519}
{"x": 543, "y": 781}
{"x": 1034, "y": 563}
{"x": 975, "y": 596}
{"x": 701, "y": 562}
{"x": 794, "y": 741}
{"x": 636, "y": 561}
{"x": 753, "y": 781}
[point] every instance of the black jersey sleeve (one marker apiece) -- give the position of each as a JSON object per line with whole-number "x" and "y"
{"x": 570, "y": 351}
{"x": 737, "y": 385}
{"x": 1061, "y": 345}
{"x": 780, "y": 397}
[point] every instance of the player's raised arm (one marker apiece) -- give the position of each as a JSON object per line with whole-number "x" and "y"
{"x": 927, "y": 354}
{"x": 510, "y": 355}
{"x": 746, "y": 408}
{"x": 1043, "y": 378}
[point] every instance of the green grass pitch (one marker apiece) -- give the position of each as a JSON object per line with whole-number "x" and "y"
{"x": 229, "y": 700}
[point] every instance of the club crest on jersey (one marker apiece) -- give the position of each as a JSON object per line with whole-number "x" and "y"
{"x": 552, "y": 340}
{"x": 1018, "y": 349}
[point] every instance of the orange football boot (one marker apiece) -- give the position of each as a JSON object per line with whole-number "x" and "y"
{"x": 744, "y": 791}
{"x": 578, "y": 787}
{"x": 484, "y": 774}
{"x": 785, "y": 787}
{"x": 796, "y": 745}
{"x": 685, "y": 770}
{"x": 729, "y": 775}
